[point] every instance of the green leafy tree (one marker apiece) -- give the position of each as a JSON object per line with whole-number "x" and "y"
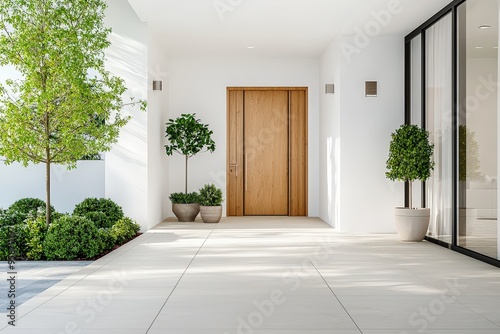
{"x": 468, "y": 152}
{"x": 65, "y": 105}
{"x": 410, "y": 156}
{"x": 188, "y": 136}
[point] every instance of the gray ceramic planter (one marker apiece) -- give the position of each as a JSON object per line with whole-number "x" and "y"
{"x": 186, "y": 212}
{"x": 211, "y": 214}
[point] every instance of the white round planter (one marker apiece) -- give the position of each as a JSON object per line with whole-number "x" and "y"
{"x": 412, "y": 224}
{"x": 186, "y": 212}
{"x": 211, "y": 214}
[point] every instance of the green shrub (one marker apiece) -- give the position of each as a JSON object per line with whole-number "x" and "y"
{"x": 29, "y": 206}
{"x": 13, "y": 242}
{"x": 93, "y": 156}
{"x": 182, "y": 198}
{"x": 99, "y": 218}
{"x": 102, "y": 211}
{"x": 10, "y": 218}
{"x": 108, "y": 239}
{"x": 22, "y": 209}
{"x": 55, "y": 215}
{"x": 72, "y": 237}
{"x": 36, "y": 229}
{"x": 210, "y": 195}
{"x": 124, "y": 230}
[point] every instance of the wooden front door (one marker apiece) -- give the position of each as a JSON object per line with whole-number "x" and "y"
{"x": 267, "y": 151}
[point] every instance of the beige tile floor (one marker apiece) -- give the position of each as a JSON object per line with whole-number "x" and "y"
{"x": 269, "y": 275}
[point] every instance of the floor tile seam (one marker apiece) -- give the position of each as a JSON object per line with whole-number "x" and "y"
{"x": 455, "y": 298}
{"x": 418, "y": 276}
{"x": 98, "y": 267}
{"x": 178, "y": 281}
{"x": 335, "y": 296}
{"x": 49, "y": 299}
{"x": 287, "y": 228}
{"x": 476, "y": 312}
{"x": 447, "y": 293}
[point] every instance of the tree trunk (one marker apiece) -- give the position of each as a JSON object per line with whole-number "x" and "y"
{"x": 186, "y": 184}
{"x": 410, "y": 193}
{"x": 47, "y": 170}
{"x": 47, "y": 190}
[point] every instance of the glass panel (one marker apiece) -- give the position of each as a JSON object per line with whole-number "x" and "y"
{"x": 438, "y": 122}
{"x": 416, "y": 102}
{"x": 478, "y": 126}
{"x": 416, "y": 80}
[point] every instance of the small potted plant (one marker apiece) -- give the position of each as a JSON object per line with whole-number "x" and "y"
{"x": 210, "y": 200}
{"x": 187, "y": 136}
{"x": 410, "y": 159}
{"x": 185, "y": 206}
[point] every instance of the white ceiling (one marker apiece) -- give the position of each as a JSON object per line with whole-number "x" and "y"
{"x": 276, "y": 28}
{"x": 481, "y": 43}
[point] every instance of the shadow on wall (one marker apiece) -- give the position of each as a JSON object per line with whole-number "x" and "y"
{"x": 127, "y": 162}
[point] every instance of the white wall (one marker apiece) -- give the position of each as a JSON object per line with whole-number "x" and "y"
{"x": 363, "y": 196}
{"x": 127, "y": 164}
{"x": 157, "y": 117}
{"x": 199, "y": 86}
{"x": 68, "y": 187}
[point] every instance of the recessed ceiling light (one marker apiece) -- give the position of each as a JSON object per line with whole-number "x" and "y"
{"x": 479, "y": 47}
{"x": 250, "y": 47}
{"x": 484, "y": 26}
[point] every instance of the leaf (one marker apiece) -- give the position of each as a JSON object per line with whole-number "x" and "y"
{"x": 410, "y": 154}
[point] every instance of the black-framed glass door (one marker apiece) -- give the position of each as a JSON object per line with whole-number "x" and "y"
{"x": 439, "y": 122}
{"x": 451, "y": 90}
{"x": 477, "y": 68}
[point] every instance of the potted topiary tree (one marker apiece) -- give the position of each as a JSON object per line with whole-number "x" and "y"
{"x": 187, "y": 136}
{"x": 410, "y": 159}
{"x": 210, "y": 200}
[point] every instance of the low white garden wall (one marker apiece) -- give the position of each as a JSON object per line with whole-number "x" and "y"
{"x": 69, "y": 187}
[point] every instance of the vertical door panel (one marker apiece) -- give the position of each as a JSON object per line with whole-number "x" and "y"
{"x": 298, "y": 153}
{"x": 266, "y": 153}
{"x": 235, "y": 161}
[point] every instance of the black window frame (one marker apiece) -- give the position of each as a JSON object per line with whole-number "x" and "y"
{"x": 420, "y": 31}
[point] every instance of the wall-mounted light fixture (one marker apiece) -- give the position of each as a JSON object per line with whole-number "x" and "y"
{"x": 329, "y": 89}
{"x": 157, "y": 85}
{"x": 371, "y": 89}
